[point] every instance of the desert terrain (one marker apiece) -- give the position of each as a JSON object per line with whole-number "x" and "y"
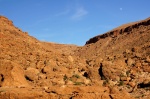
{"x": 113, "y": 65}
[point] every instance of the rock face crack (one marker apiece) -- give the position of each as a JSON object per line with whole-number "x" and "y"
{"x": 111, "y": 97}
{"x": 86, "y": 75}
{"x": 100, "y": 70}
{"x": 142, "y": 85}
{"x": 2, "y": 77}
{"x": 27, "y": 78}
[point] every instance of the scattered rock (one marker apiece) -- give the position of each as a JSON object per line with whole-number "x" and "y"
{"x": 31, "y": 74}
{"x": 132, "y": 84}
{"x": 12, "y": 75}
{"x": 102, "y": 68}
{"x": 130, "y": 62}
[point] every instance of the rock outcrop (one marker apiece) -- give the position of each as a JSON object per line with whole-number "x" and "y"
{"x": 126, "y": 28}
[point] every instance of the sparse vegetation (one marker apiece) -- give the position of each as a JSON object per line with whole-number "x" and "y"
{"x": 137, "y": 97}
{"x": 70, "y": 79}
{"x": 105, "y": 82}
{"x": 65, "y": 77}
{"x": 2, "y": 91}
{"x": 69, "y": 71}
{"x": 78, "y": 83}
{"x": 122, "y": 75}
{"x": 143, "y": 95}
{"x": 121, "y": 83}
{"x": 128, "y": 73}
{"x": 76, "y": 75}
{"x": 103, "y": 78}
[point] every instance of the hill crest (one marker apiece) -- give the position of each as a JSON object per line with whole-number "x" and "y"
{"x": 125, "y": 28}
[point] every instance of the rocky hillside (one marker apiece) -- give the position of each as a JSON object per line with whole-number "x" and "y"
{"x": 126, "y": 28}
{"x": 113, "y": 65}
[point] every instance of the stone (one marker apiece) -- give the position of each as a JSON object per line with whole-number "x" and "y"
{"x": 123, "y": 78}
{"x": 12, "y": 75}
{"x": 41, "y": 76}
{"x": 47, "y": 69}
{"x": 132, "y": 84}
{"x": 114, "y": 90}
{"x": 130, "y": 62}
{"x": 70, "y": 58}
{"x": 146, "y": 81}
{"x": 138, "y": 64}
{"x": 31, "y": 74}
{"x": 69, "y": 82}
{"x": 148, "y": 59}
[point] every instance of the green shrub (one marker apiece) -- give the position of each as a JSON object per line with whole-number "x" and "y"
{"x": 121, "y": 83}
{"x": 103, "y": 78}
{"x": 78, "y": 83}
{"x": 65, "y": 78}
{"x": 122, "y": 75}
{"x": 2, "y": 91}
{"x": 128, "y": 73}
{"x": 76, "y": 75}
{"x": 105, "y": 82}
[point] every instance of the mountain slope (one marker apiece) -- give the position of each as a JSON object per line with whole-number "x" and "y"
{"x": 111, "y": 66}
{"x": 124, "y": 51}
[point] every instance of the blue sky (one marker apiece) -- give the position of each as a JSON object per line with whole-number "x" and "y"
{"x": 72, "y": 21}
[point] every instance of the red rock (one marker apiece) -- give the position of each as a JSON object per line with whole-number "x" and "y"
{"x": 27, "y": 62}
{"x": 32, "y": 73}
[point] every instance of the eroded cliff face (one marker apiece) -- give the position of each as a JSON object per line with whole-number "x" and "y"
{"x": 113, "y": 65}
{"x": 126, "y": 28}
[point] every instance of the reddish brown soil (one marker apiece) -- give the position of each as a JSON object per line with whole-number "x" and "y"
{"x": 114, "y": 65}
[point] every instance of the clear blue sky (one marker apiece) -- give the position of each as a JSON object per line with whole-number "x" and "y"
{"x": 72, "y": 21}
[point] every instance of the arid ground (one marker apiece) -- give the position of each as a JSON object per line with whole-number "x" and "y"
{"x": 114, "y": 65}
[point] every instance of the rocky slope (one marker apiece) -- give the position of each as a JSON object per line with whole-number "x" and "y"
{"x": 113, "y": 65}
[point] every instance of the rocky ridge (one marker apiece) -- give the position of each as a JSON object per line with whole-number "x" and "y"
{"x": 126, "y": 28}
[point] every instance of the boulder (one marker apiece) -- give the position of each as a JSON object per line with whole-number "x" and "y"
{"x": 31, "y": 74}
{"x": 12, "y": 74}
